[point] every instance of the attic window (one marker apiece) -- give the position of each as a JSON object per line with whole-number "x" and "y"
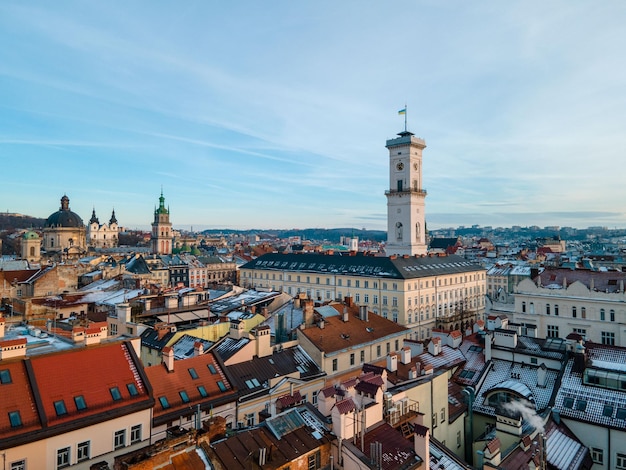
{"x": 193, "y": 373}
{"x": 202, "y": 391}
{"x": 5, "y": 376}
{"x": 132, "y": 390}
{"x": 568, "y": 402}
{"x": 59, "y": 407}
{"x": 251, "y": 383}
{"x": 221, "y": 386}
{"x": 607, "y": 410}
{"x": 115, "y": 393}
{"x": 15, "y": 419}
{"x": 581, "y": 405}
{"x": 183, "y": 396}
{"x": 621, "y": 413}
{"x": 79, "y": 401}
{"x": 164, "y": 403}
{"x": 212, "y": 369}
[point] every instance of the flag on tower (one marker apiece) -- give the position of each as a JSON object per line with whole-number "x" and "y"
{"x": 402, "y": 111}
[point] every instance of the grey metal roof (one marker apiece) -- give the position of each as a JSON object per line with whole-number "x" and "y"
{"x": 254, "y": 375}
{"x": 367, "y": 266}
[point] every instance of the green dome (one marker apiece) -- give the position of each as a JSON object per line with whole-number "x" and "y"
{"x": 30, "y": 235}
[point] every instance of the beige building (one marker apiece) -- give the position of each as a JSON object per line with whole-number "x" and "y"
{"x": 31, "y": 247}
{"x": 563, "y": 301}
{"x": 75, "y": 409}
{"x": 420, "y": 292}
{"x": 64, "y": 231}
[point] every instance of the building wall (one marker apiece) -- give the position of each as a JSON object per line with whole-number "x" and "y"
{"x": 609, "y": 441}
{"x": 446, "y": 301}
{"x": 531, "y": 306}
{"x": 43, "y": 453}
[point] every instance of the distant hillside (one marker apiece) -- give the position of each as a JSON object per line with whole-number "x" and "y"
{"x": 332, "y": 235}
{"x": 16, "y": 221}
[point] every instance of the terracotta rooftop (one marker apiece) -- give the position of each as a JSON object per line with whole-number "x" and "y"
{"x": 70, "y": 389}
{"x": 337, "y": 334}
{"x": 397, "y": 451}
{"x": 195, "y": 381}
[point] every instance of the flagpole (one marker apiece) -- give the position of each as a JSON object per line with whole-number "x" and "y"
{"x": 405, "y": 111}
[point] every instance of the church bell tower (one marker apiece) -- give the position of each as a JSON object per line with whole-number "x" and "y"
{"x": 406, "y": 219}
{"x": 161, "y": 240}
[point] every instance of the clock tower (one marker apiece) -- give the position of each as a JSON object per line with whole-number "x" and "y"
{"x": 406, "y": 219}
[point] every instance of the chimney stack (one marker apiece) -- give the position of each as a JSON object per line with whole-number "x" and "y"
{"x": 198, "y": 349}
{"x": 421, "y": 442}
{"x": 168, "y": 358}
{"x": 392, "y": 362}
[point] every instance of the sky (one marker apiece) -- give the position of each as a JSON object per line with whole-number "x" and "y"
{"x": 264, "y": 115}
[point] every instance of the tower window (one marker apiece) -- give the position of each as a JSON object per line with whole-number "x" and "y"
{"x": 399, "y": 185}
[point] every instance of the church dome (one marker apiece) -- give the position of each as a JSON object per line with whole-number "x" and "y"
{"x": 30, "y": 235}
{"x": 64, "y": 217}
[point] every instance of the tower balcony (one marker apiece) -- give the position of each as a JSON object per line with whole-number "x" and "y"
{"x": 417, "y": 192}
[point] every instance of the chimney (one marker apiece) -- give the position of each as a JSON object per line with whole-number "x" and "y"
{"x": 2, "y": 323}
{"x": 392, "y": 362}
{"x": 405, "y": 355}
{"x": 168, "y": 358}
{"x": 421, "y": 443}
{"x": 346, "y": 315}
{"x": 542, "y": 376}
{"x": 348, "y": 301}
{"x": 122, "y": 312}
{"x": 413, "y": 373}
{"x": 307, "y": 310}
{"x": 262, "y": 336}
{"x": 487, "y": 351}
{"x": 363, "y": 313}
{"x": 198, "y": 349}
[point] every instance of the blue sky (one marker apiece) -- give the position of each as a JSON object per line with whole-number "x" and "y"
{"x": 275, "y": 114}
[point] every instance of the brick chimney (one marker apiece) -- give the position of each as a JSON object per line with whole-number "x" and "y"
{"x": 168, "y": 358}
{"x": 198, "y": 349}
{"x": 307, "y": 310}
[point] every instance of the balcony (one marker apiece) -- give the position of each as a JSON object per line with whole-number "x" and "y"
{"x": 417, "y": 192}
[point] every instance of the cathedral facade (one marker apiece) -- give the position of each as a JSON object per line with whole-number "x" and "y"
{"x": 102, "y": 235}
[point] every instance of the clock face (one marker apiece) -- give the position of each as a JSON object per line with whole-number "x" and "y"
{"x": 399, "y": 166}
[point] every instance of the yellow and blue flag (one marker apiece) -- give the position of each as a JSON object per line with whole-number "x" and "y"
{"x": 402, "y": 111}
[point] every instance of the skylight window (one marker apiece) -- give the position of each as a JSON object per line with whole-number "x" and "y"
{"x": 568, "y": 402}
{"x": 621, "y": 413}
{"x": 193, "y": 373}
{"x": 581, "y": 405}
{"x": 164, "y": 403}
{"x": 212, "y": 369}
{"x": 5, "y": 376}
{"x": 202, "y": 391}
{"x": 59, "y": 407}
{"x": 115, "y": 393}
{"x": 607, "y": 410}
{"x": 221, "y": 386}
{"x": 183, "y": 396}
{"x": 80, "y": 403}
{"x": 132, "y": 390}
{"x": 15, "y": 419}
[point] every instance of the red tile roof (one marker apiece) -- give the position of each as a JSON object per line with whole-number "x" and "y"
{"x": 170, "y": 384}
{"x": 91, "y": 373}
{"x": 345, "y": 406}
{"x": 17, "y": 396}
{"x": 12, "y": 342}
